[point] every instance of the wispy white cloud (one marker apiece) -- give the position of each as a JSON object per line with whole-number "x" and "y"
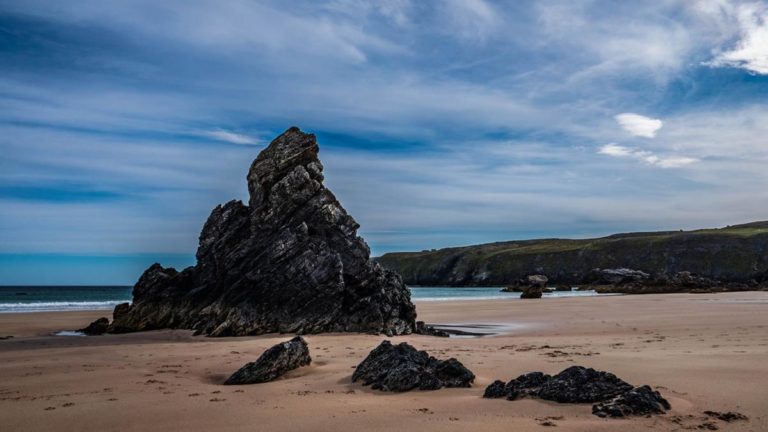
{"x": 750, "y": 51}
{"x": 639, "y": 125}
{"x": 231, "y": 137}
{"x": 648, "y": 157}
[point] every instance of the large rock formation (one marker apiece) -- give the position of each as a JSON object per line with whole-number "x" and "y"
{"x": 274, "y": 363}
{"x": 289, "y": 261}
{"x": 401, "y": 367}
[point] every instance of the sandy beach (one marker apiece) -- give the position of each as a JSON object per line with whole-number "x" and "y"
{"x": 703, "y": 352}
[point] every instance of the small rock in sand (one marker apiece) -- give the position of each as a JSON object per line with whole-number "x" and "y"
{"x": 402, "y": 367}
{"x": 275, "y": 362}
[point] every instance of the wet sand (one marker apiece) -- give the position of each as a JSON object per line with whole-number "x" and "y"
{"x": 703, "y": 352}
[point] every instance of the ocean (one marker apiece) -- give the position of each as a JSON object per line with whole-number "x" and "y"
{"x": 63, "y": 298}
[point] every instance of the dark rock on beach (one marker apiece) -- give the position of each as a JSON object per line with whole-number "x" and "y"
{"x": 275, "y": 362}
{"x": 532, "y": 293}
{"x": 580, "y": 385}
{"x": 401, "y": 367}
{"x": 532, "y": 286}
{"x": 577, "y": 384}
{"x": 96, "y": 328}
{"x": 428, "y": 330}
{"x": 573, "y": 385}
{"x": 636, "y": 402}
{"x": 288, "y": 261}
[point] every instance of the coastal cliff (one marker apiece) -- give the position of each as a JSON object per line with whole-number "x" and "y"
{"x": 735, "y": 254}
{"x": 288, "y": 261}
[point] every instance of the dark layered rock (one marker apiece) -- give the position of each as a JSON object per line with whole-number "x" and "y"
{"x": 96, "y": 328}
{"x": 736, "y": 253}
{"x": 615, "y": 276}
{"x": 573, "y": 385}
{"x": 636, "y": 402}
{"x": 532, "y": 293}
{"x": 577, "y": 384}
{"x": 531, "y": 286}
{"x": 427, "y": 330}
{"x": 274, "y": 363}
{"x": 402, "y": 367}
{"x": 288, "y": 261}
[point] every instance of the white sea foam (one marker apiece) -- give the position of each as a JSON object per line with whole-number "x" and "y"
{"x": 70, "y": 333}
{"x": 58, "y": 306}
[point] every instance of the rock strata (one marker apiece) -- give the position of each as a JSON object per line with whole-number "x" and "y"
{"x": 96, "y": 328}
{"x": 274, "y": 363}
{"x": 399, "y": 368}
{"x": 288, "y": 261}
{"x": 612, "y": 396}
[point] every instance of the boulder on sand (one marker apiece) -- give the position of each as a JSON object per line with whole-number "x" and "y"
{"x": 401, "y": 367}
{"x": 612, "y": 396}
{"x": 275, "y": 362}
{"x": 288, "y": 261}
{"x": 96, "y": 328}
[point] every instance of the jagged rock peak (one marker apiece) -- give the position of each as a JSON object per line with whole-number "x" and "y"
{"x": 289, "y": 261}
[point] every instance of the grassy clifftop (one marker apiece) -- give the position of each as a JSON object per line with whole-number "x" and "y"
{"x": 733, "y": 253}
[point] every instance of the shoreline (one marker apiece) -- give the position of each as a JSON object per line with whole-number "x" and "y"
{"x": 702, "y": 355}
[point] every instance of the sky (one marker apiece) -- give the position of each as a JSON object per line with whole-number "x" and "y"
{"x": 440, "y": 123}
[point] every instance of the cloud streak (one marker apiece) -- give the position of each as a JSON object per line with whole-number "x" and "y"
{"x": 231, "y": 137}
{"x": 618, "y": 151}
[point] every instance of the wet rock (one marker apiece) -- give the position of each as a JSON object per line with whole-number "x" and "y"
{"x": 532, "y": 293}
{"x": 275, "y": 362}
{"x": 96, "y": 328}
{"x": 636, "y": 402}
{"x": 402, "y": 367}
{"x": 427, "y": 330}
{"x": 578, "y": 384}
{"x": 288, "y": 261}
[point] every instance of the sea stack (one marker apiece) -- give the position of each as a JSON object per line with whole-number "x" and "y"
{"x": 290, "y": 261}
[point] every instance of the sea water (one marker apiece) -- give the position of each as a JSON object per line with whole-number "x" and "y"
{"x": 63, "y": 298}
{"x": 485, "y": 293}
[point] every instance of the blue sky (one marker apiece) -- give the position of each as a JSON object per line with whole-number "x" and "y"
{"x": 122, "y": 124}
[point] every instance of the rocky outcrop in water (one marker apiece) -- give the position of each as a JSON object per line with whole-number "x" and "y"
{"x": 530, "y": 287}
{"x": 612, "y": 396}
{"x": 399, "y": 368}
{"x": 289, "y": 260}
{"x": 274, "y": 363}
{"x": 96, "y": 328}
